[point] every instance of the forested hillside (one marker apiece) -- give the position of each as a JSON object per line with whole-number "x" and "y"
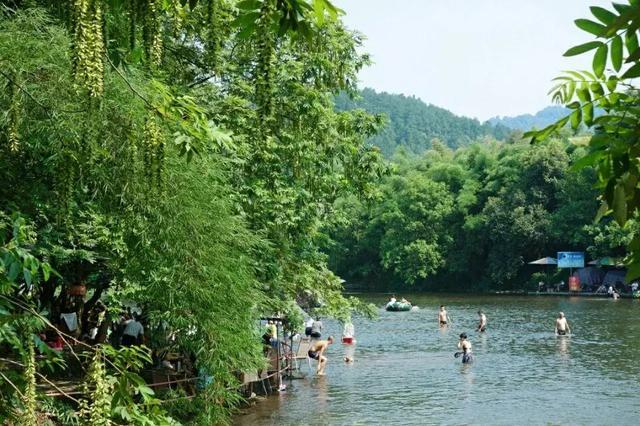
{"x": 472, "y": 219}
{"x": 414, "y": 124}
{"x": 525, "y": 122}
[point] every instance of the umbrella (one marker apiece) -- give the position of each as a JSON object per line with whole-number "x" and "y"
{"x": 606, "y": 261}
{"x": 545, "y": 261}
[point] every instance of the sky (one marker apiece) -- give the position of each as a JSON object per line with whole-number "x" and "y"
{"x": 478, "y": 58}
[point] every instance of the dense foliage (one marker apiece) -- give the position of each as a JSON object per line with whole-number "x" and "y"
{"x": 176, "y": 156}
{"x": 471, "y": 219}
{"x": 413, "y": 125}
{"x": 610, "y": 86}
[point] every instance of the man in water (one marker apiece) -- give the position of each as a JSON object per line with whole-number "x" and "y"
{"x": 465, "y": 345}
{"x": 443, "y": 317}
{"x": 316, "y": 351}
{"x": 562, "y": 325}
{"x": 482, "y": 324}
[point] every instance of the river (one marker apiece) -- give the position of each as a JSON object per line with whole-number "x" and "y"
{"x": 405, "y": 373}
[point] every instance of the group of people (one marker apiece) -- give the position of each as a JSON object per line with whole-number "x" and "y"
{"x": 319, "y": 347}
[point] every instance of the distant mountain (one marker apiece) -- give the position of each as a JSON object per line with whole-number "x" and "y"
{"x": 413, "y": 124}
{"x": 525, "y": 122}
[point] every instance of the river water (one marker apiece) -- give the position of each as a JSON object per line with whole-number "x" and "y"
{"x": 405, "y": 373}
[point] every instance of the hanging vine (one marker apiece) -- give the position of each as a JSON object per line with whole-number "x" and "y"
{"x": 89, "y": 48}
{"x": 266, "y": 64}
{"x": 152, "y": 34}
{"x": 14, "y": 115}
{"x": 95, "y": 409}
{"x": 153, "y": 150}
{"x": 29, "y": 402}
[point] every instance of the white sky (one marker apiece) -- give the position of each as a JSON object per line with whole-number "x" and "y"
{"x": 478, "y": 58}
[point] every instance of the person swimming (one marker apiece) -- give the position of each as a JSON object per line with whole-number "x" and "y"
{"x": 465, "y": 345}
{"x": 562, "y": 325}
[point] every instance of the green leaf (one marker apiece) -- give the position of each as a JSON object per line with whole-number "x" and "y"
{"x": 576, "y": 117}
{"x": 612, "y": 83}
{"x": 616, "y": 53}
{"x": 591, "y": 27}
{"x": 603, "y": 210}
{"x": 619, "y": 204}
{"x": 633, "y": 57}
{"x": 587, "y": 114}
{"x": 605, "y": 16}
{"x": 631, "y": 41}
{"x": 621, "y": 8}
{"x": 14, "y": 270}
{"x": 573, "y": 105}
{"x": 577, "y": 50}
{"x": 632, "y": 72}
{"x": 583, "y": 94}
{"x": 600, "y": 60}
{"x": 571, "y": 90}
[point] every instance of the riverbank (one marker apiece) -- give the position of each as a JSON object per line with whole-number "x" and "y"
{"x": 501, "y": 293}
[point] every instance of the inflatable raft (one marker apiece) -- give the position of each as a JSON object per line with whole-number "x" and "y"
{"x": 398, "y": 306}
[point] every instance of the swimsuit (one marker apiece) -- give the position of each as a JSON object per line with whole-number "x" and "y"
{"x": 562, "y": 332}
{"x": 467, "y": 358}
{"x": 313, "y": 354}
{"x": 443, "y": 323}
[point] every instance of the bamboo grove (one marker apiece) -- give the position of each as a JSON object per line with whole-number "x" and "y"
{"x": 179, "y": 156}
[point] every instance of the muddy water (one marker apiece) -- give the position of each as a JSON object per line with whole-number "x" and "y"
{"x": 405, "y": 372}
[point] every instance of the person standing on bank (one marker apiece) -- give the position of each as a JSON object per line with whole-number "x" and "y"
{"x": 133, "y": 333}
{"x": 316, "y": 329}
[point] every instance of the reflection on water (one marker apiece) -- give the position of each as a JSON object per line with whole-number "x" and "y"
{"x": 405, "y": 373}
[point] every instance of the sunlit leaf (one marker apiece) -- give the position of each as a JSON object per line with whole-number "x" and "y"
{"x": 616, "y": 53}
{"x": 577, "y": 50}
{"x": 591, "y": 27}
{"x": 605, "y": 16}
{"x": 576, "y": 117}
{"x": 600, "y": 60}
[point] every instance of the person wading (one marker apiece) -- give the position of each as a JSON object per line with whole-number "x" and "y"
{"x": 443, "y": 317}
{"x": 465, "y": 345}
{"x": 482, "y": 322}
{"x": 562, "y": 325}
{"x": 317, "y": 350}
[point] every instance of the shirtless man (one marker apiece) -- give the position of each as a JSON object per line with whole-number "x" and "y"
{"x": 465, "y": 345}
{"x": 316, "y": 351}
{"x": 482, "y": 324}
{"x": 562, "y": 325}
{"x": 443, "y": 317}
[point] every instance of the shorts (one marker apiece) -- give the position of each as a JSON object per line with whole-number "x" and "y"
{"x": 562, "y": 332}
{"x": 467, "y": 358}
{"x": 315, "y": 335}
{"x": 313, "y": 355}
{"x": 128, "y": 340}
{"x": 443, "y": 323}
{"x": 307, "y": 331}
